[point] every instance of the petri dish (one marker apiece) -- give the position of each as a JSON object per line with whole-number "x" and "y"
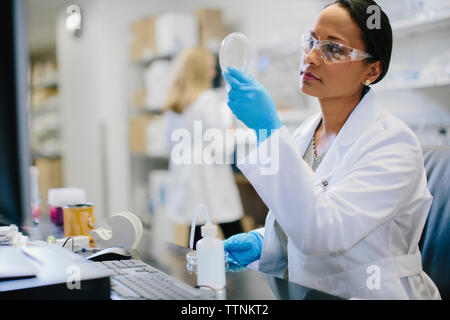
{"x": 236, "y": 51}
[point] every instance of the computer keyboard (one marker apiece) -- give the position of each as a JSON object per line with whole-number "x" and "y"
{"x": 136, "y": 280}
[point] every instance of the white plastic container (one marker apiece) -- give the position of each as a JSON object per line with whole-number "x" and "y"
{"x": 156, "y": 78}
{"x": 176, "y": 31}
{"x": 210, "y": 259}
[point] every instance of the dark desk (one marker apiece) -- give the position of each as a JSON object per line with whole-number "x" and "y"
{"x": 242, "y": 283}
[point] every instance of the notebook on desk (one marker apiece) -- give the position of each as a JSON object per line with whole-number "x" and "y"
{"x": 55, "y": 273}
{"x": 14, "y": 264}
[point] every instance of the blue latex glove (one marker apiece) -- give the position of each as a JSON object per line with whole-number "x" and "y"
{"x": 244, "y": 248}
{"x": 251, "y": 103}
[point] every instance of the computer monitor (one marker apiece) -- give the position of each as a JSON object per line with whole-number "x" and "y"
{"x": 15, "y": 158}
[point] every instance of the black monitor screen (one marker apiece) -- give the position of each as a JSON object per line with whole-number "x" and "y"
{"x": 14, "y": 148}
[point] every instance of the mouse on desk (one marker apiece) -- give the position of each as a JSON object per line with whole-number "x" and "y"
{"x": 108, "y": 254}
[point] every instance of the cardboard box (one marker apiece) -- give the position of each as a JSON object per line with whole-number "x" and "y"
{"x": 212, "y": 29}
{"x": 50, "y": 175}
{"x": 138, "y": 134}
{"x": 40, "y": 96}
{"x": 144, "y": 41}
{"x": 139, "y": 98}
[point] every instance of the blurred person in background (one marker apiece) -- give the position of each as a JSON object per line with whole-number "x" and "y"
{"x": 192, "y": 101}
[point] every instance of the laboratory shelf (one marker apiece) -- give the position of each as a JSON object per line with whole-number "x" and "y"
{"x": 144, "y": 110}
{"x": 411, "y": 85}
{"x": 49, "y": 82}
{"x": 47, "y": 156}
{"x": 147, "y": 62}
{"x": 421, "y": 23}
{"x": 150, "y": 162}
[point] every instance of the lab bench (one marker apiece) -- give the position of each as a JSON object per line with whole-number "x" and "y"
{"x": 242, "y": 283}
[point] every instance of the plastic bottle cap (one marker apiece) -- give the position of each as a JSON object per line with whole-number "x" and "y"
{"x": 209, "y": 230}
{"x": 60, "y": 197}
{"x": 51, "y": 239}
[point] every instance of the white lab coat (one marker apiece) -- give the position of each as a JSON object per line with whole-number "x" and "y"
{"x": 358, "y": 218}
{"x": 211, "y": 184}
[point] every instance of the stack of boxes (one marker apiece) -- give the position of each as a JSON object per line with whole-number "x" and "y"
{"x": 212, "y": 29}
{"x": 165, "y": 35}
{"x": 45, "y": 134}
{"x": 144, "y": 42}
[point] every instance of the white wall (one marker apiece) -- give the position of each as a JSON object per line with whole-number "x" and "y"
{"x": 79, "y": 73}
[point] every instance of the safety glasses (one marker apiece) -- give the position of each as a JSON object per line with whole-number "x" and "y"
{"x": 333, "y": 51}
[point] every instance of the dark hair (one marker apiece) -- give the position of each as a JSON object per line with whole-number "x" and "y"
{"x": 378, "y": 41}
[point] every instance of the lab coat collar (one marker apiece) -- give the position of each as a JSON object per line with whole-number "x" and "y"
{"x": 359, "y": 120}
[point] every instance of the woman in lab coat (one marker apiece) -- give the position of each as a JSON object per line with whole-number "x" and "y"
{"x": 193, "y": 108}
{"x": 349, "y": 198}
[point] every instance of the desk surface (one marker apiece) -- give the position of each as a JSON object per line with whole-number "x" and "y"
{"x": 242, "y": 283}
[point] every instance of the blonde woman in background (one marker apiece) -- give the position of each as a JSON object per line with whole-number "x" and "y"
{"x": 192, "y": 101}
